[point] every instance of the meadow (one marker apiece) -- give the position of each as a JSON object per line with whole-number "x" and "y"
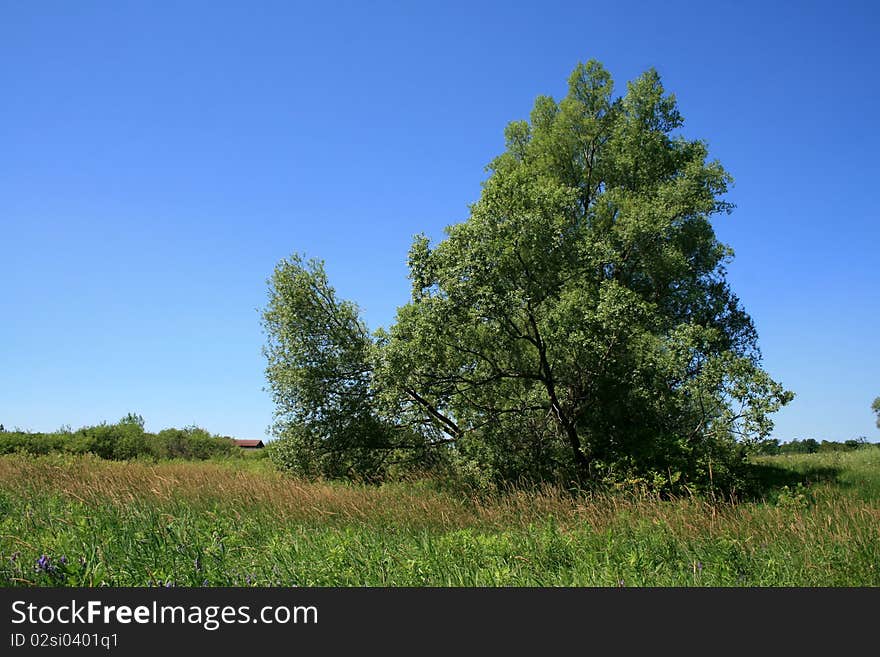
{"x": 78, "y": 520}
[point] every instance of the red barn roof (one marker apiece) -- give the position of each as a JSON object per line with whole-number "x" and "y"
{"x": 249, "y": 444}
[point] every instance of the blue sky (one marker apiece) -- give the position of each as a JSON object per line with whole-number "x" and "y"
{"x": 158, "y": 158}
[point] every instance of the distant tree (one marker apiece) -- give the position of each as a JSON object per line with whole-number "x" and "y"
{"x": 133, "y": 419}
{"x": 768, "y": 446}
{"x": 876, "y": 408}
{"x": 805, "y": 446}
{"x": 2, "y": 428}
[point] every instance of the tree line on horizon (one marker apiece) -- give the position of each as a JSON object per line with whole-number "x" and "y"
{"x": 120, "y": 441}
{"x": 126, "y": 440}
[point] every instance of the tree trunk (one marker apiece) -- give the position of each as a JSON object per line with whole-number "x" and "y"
{"x": 581, "y": 461}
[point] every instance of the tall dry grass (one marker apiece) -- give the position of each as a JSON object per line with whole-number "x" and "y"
{"x": 224, "y": 523}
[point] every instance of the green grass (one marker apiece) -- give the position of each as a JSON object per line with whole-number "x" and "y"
{"x": 239, "y": 523}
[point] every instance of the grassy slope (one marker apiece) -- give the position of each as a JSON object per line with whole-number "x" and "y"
{"x": 238, "y": 523}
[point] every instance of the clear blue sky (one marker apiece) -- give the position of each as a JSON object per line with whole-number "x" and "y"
{"x": 158, "y": 158}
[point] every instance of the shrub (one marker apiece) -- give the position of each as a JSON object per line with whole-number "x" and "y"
{"x": 124, "y": 440}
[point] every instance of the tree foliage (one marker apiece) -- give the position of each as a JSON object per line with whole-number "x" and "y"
{"x": 320, "y": 372}
{"x": 577, "y": 326}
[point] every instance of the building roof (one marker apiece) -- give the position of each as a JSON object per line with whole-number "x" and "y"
{"x": 249, "y": 443}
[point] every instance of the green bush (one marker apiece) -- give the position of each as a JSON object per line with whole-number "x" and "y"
{"x": 122, "y": 441}
{"x": 192, "y": 443}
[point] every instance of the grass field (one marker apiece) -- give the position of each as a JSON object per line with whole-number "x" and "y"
{"x": 83, "y": 521}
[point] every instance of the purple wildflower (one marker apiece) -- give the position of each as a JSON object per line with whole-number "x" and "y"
{"x": 44, "y": 564}
{"x": 63, "y": 560}
{"x": 700, "y": 566}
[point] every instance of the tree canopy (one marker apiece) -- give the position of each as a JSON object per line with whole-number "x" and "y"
{"x": 577, "y": 326}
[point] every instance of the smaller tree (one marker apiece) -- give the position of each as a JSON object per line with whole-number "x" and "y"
{"x": 320, "y": 372}
{"x": 135, "y": 419}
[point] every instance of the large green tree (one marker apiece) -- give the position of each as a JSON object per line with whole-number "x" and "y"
{"x": 578, "y": 324}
